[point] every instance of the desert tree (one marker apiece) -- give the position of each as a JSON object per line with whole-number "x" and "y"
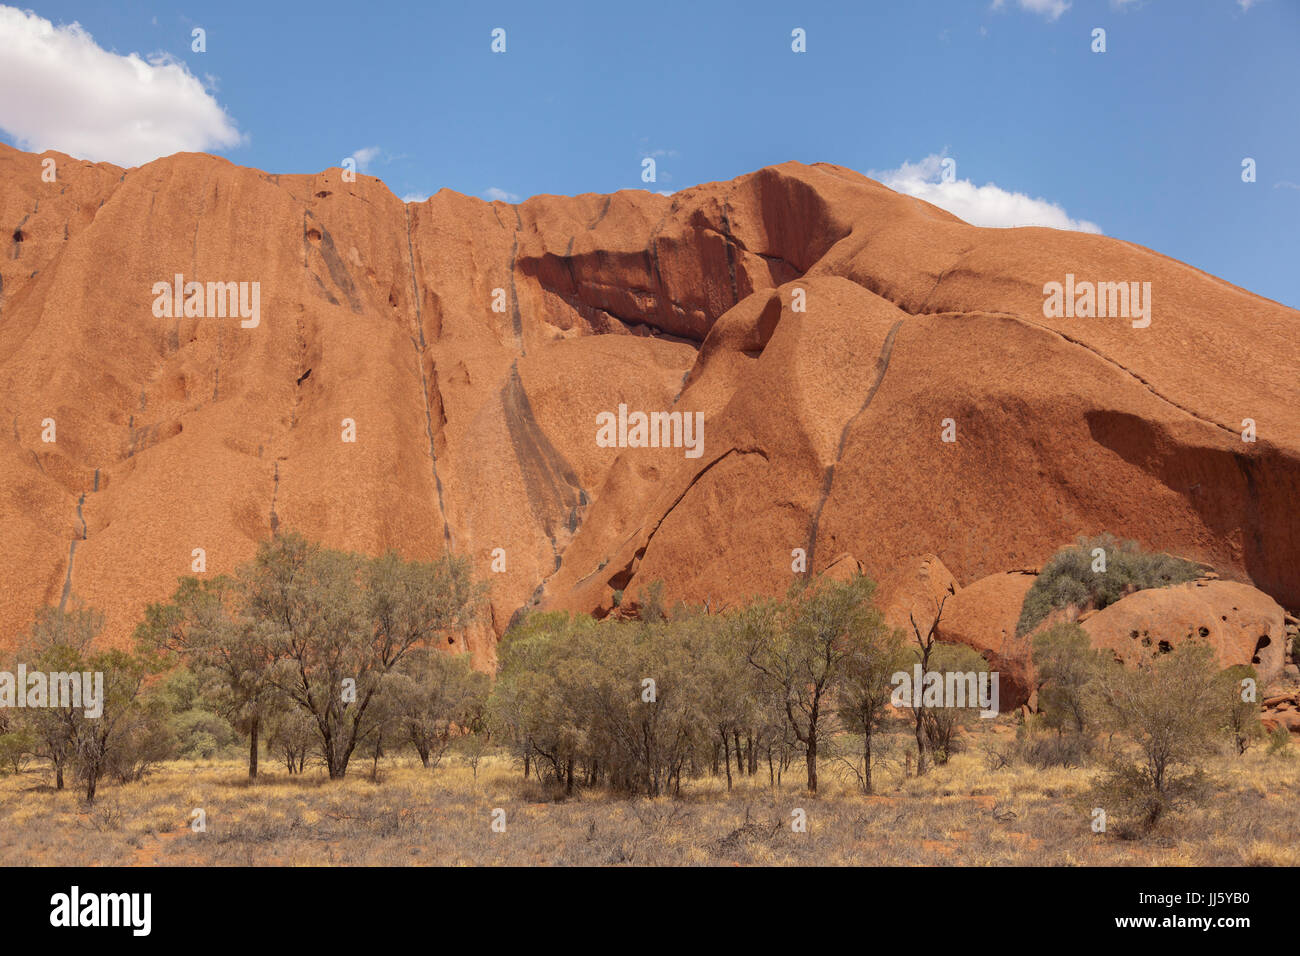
{"x": 208, "y": 625}
{"x": 1172, "y": 706}
{"x": 99, "y": 741}
{"x": 535, "y": 700}
{"x": 956, "y": 664}
{"x": 802, "y": 646}
{"x": 339, "y": 624}
{"x": 123, "y": 729}
{"x": 925, "y": 644}
{"x": 864, "y": 698}
{"x": 727, "y": 688}
{"x": 290, "y": 734}
{"x": 478, "y": 729}
{"x": 1241, "y": 712}
{"x": 1095, "y": 573}
{"x": 434, "y": 696}
{"x": 658, "y": 725}
{"x": 57, "y": 641}
{"x": 1066, "y": 668}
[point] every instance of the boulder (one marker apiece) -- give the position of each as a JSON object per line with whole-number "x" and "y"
{"x": 1282, "y": 711}
{"x": 983, "y": 616}
{"x": 913, "y": 589}
{"x": 1242, "y": 624}
{"x": 843, "y": 568}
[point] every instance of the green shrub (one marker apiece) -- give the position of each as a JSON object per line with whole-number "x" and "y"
{"x": 940, "y": 724}
{"x": 1241, "y": 719}
{"x": 1043, "y": 750}
{"x": 1069, "y": 579}
{"x": 1279, "y": 742}
{"x": 1066, "y": 665}
{"x": 198, "y": 730}
{"x": 1136, "y": 803}
{"x": 1172, "y": 707}
{"x": 16, "y": 749}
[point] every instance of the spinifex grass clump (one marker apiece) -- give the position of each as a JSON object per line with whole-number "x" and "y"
{"x": 1079, "y": 575}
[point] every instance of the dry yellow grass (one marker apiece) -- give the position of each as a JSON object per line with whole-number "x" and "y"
{"x": 962, "y": 813}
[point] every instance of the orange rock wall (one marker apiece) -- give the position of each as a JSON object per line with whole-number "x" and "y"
{"x": 476, "y": 427}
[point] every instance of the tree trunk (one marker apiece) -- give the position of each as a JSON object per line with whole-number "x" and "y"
{"x": 58, "y": 774}
{"x": 920, "y": 742}
{"x": 811, "y": 748}
{"x": 336, "y": 765}
{"x": 866, "y": 761}
{"x": 726, "y": 752}
{"x": 252, "y": 750}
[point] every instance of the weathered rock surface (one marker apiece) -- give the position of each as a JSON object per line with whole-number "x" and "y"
{"x": 983, "y": 616}
{"x": 913, "y": 591}
{"x": 1281, "y": 711}
{"x": 1242, "y": 624}
{"x": 476, "y": 428}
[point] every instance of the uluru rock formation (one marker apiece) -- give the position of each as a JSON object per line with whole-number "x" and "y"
{"x": 829, "y": 331}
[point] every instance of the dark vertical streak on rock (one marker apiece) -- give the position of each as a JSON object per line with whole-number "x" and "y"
{"x": 828, "y": 478}
{"x": 515, "y": 316}
{"x": 550, "y": 482}
{"x": 72, "y": 545}
{"x": 67, "y": 581}
{"x": 417, "y": 341}
{"x": 731, "y": 251}
{"x": 216, "y": 375}
{"x": 339, "y": 273}
{"x": 275, "y": 491}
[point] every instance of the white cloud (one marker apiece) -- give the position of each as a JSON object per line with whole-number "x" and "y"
{"x": 1246, "y": 5}
{"x": 1052, "y": 9}
{"x": 493, "y": 194}
{"x": 415, "y": 197}
{"x": 987, "y": 205}
{"x": 365, "y": 156}
{"x": 1286, "y": 184}
{"x": 60, "y": 90}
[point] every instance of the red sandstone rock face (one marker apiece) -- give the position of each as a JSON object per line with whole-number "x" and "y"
{"x": 1282, "y": 711}
{"x": 476, "y": 428}
{"x": 1240, "y": 623}
{"x": 983, "y": 616}
{"x": 914, "y": 590}
{"x": 1243, "y": 625}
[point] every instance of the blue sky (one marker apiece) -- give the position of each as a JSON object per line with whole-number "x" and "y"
{"x": 1144, "y": 142}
